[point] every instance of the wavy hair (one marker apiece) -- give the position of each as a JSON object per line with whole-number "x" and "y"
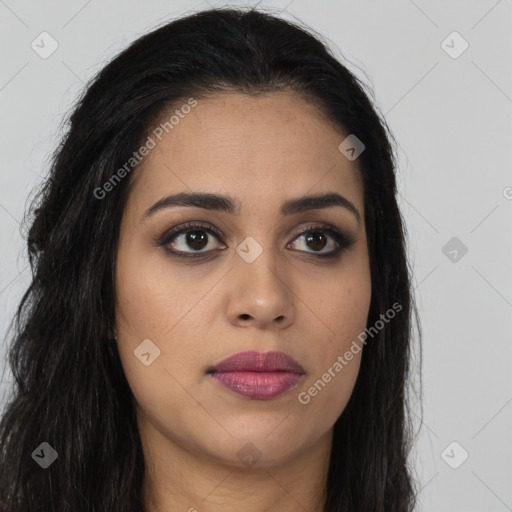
{"x": 69, "y": 387}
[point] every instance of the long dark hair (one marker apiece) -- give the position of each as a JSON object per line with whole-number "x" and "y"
{"x": 69, "y": 387}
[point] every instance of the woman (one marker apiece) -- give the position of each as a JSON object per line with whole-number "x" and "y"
{"x": 220, "y": 311}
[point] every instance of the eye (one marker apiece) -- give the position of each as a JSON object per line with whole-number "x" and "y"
{"x": 196, "y": 236}
{"x": 193, "y": 235}
{"x": 315, "y": 238}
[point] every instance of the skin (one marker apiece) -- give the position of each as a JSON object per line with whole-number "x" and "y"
{"x": 261, "y": 151}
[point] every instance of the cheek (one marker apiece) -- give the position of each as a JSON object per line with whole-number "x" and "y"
{"x": 144, "y": 310}
{"x": 343, "y": 310}
{"x": 327, "y": 393}
{"x": 161, "y": 397}
{"x": 146, "y": 304}
{"x": 149, "y": 308}
{"x": 342, "y": 307}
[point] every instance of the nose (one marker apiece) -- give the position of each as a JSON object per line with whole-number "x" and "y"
{"x": 260, "y": 295}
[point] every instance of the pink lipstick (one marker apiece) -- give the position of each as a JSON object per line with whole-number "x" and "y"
{"x": 257, "y": 375}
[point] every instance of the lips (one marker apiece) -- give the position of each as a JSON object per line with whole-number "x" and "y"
{"x": 253, "y": 361}
{"x": 257, "y": 375}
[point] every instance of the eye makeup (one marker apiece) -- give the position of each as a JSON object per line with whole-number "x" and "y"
{"x": 341, "y": 239}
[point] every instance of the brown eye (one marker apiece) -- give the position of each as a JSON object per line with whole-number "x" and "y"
{"x": 195, "y": 240}
{"x": 195, "y": 236}
{"x": 317, "y": 238}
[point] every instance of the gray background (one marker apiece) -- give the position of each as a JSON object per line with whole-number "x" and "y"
{"x": 452, "y": 119}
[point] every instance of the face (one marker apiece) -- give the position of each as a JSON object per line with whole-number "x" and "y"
{"x": 256, "y": 276}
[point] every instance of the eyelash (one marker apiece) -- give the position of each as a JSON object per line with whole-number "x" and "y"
{"x": 343, "y": 239}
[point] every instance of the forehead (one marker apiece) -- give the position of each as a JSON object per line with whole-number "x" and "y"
{"x": 255, "y": 148}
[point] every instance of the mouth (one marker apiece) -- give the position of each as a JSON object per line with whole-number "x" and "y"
{"x": 257, "y": 375}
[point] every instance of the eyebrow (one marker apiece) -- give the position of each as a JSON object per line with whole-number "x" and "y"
{"x": 230, "y": 205}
